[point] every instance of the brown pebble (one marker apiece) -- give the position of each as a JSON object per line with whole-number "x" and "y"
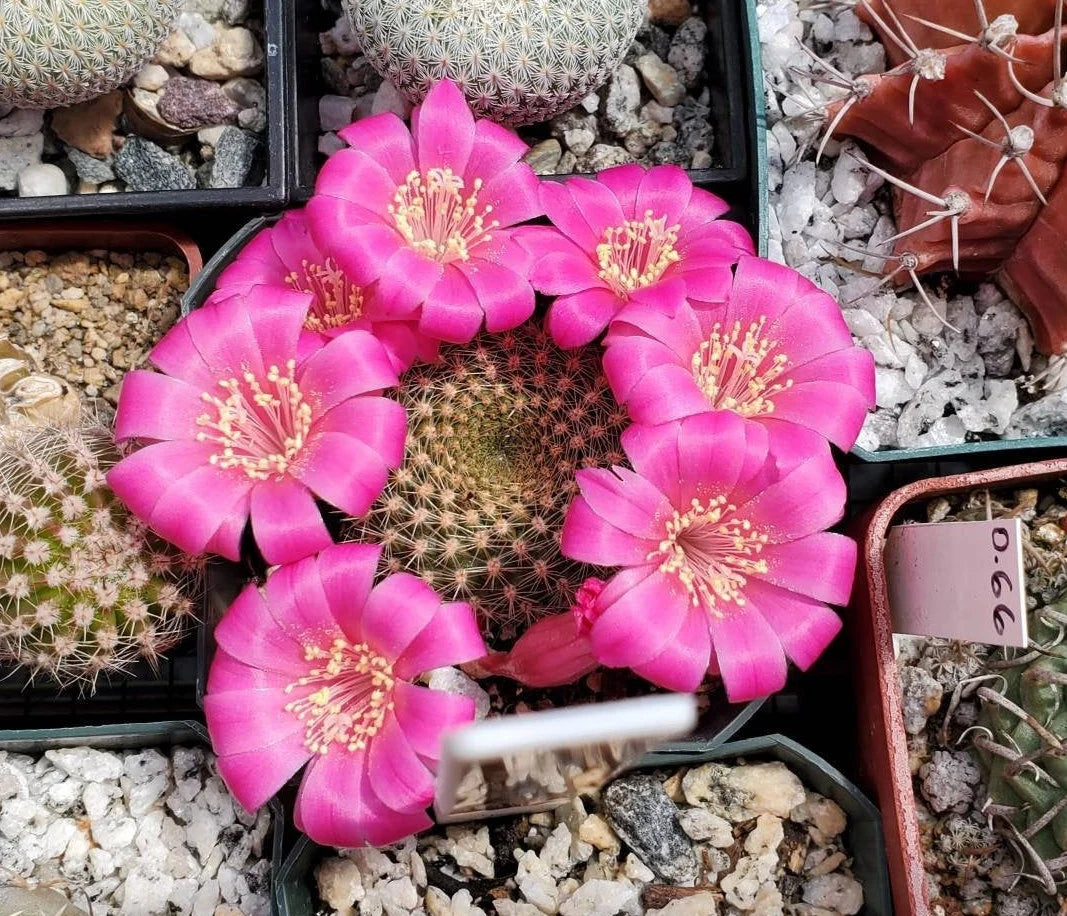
{"x": 669, "y": 12}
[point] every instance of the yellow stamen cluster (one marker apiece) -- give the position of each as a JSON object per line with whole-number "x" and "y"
{"x": 637, "y": 253}
{"x": 437, "y": 219}
{"x": 738, "y": 371}
{"x": 337, "y": 302}
{"x": 354, "y": 691}
{"x": 711, "y": 552}
{"x": 260, "y": 427}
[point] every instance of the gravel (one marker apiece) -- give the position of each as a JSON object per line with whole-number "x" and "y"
{"x": 90, "y": 317}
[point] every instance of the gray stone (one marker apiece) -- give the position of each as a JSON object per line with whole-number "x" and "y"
{"x": 246, "y": 92}
{"x": 605, "y": 155}
{"x": 623, "y": 100}
{"x": 89, "y": 168}
{"x": 689, "y": 50}
{"x": 147, "y": 167}
{"x": 22, "y": 122}
{"x": 835, "y": 892}
{"x": 151, "y": 77}
{"x": 191, "y": 103}
{"x": 948, "y": 779}
{"x": 645, "y": 818}
{"x": 235, "y": 154}
{"x": 41, "y": 901}
{"x": 16, "y": 154}
{"x": 544, "y": 157}
{"x": 335, "y": 112}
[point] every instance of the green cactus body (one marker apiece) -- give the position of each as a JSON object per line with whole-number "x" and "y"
{"x": 85, "y": 588}
{"x": 1006, "y": 740}
{"x": 517, "y": 61}
{"x": 496, "y": 432}
{"x": 60, "y": 52}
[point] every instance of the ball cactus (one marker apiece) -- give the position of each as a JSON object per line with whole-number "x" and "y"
{"x": 85, "y": 588}
{"x": 60, "y": 52}
{"x": 968, "y": 126}
{"x": 496, "y": 432}
{"x": 517, "y": 61}
{"x": 1021, "y": 738}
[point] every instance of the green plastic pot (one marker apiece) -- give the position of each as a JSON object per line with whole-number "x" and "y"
{"x": 293, "y": 892}
{"x": 134, "y": 736}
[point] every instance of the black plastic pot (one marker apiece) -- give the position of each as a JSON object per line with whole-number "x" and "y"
{"x": 279, "y": 61}
{"x": 133, "y": 737}
{"x": 293, "y": 894}
{"x": 737, "y": 106}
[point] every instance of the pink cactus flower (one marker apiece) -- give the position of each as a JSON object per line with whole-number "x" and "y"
{"x": 633, "y": 236}
{"x": 431, "y": 216}
{"x": 319, "y": 666}
{"x": 725, "y": 563}
{"x": 779, "y": 352}
{"x": 285, "y": 255}
{"x": 236, "y": 428}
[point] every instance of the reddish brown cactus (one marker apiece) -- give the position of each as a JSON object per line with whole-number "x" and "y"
{"x": 973, "y": 136}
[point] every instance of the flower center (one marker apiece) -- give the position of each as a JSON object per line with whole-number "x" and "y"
{"x": 337, "y": 302}
{"x": 711, "y": 551}
{"x": 637, "y": 253}
{"x": 259, "y": 426}
{"x": 738, "y": 371}
{"x": 437, "y": 218}
{"x": 354, "y": 691}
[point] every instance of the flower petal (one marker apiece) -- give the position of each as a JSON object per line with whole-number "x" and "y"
{"x": 749, "y": 653}
{"x": 336, "y": 806}
{"x": 407, "y": 281}
{"x": 397, "y": 610}
{"x": 224, "y": 335}
{"x": 277, "y": 322}
{"x": 248, "y": 632}
{"x": 286, "y": 522}
{"x": 653, "y": 452}
{"x": 638, "y": 624}
{"x": 627, "y": 359}
{"x": 156, "y": 406}
{"x": 396, "y": 774}
{"x": 379, "y": 422}
{"x": 360, "y": 244}
{"x": 246, "y": 720}
{"x": 684, "y": 660}
{"x": 344, "y": 471}
{"x": 299, "y": 604}
{"x": 834, "y": 411}
{"x": 563, "y": 272}
{"x": 820, "y": 566}
{"x": 809, "y": 498}
{"x": 506, "y": 298}
{"x": 425, "y": 715}
{"x": 513, "y": 195}
{"x": 804, "y": 626}
{"x": 665, "y": 393}
{"x": 193, "y": 507}
{"x": 143, "y": 476}
{"x": 452, "y": 311}
{"x": 852, "y": 366}
{"x": 451, "y": 637}
{"x": 347, "y": 572}
{"x": 384, "y": 139}
{"x": 665, "y": 190}
{"x": 255, "y": 777}
{"x": 351, "y": 364}
{"x": 597, "y": 206}
{"x": 707, "y": 285}
{"x": 443, "y": 129}
{"x": 229, "y": 673}
{"x": 623, "y": 181}
{"x": 495, "y": 149}
{"x": 577, "y": 319}
{"x": 712, "y": 451}
{"x": 589, "y": 538}
{"x": 625, "y": 500}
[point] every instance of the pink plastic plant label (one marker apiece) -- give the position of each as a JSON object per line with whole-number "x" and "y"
{"x": 958, "y": 580}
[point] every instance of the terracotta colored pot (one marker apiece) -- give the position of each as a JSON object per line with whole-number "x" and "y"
{"x": 110, "y": 235}
{"x": 880, "y": 729}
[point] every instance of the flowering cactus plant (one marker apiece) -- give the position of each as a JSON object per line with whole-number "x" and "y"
{"x": 526, "y": 504}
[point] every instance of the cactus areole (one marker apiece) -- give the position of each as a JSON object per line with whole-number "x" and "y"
{"x": 970, "y": 127}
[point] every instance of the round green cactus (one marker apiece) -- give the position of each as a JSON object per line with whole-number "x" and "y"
{"x": 85, "y": 588}
{"x": 60, "y": 52}
{"x": 1021, "y": 739}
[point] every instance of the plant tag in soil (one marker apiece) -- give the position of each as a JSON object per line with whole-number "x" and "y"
{"x": 537, "y": 761}
{"x": 958, "y": 580}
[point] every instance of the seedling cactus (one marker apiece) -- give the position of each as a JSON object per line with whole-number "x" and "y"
{"x": 85, "y": 588}
{"x": 496, "y": 432}
{"x": 968, "y": 127}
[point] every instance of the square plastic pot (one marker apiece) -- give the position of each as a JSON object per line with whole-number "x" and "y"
{"x": 279, "y": 61}
{"x": 880, "y": 729}
{"x": 135, "y": 737}
{"x": 737, "y": 102}
{"x": 142, "y": 693}
{"x": 863, "y": 837}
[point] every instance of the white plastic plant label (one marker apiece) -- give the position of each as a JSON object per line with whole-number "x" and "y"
{"x": 539, "y": 760}
{"x": 958, "y": 580}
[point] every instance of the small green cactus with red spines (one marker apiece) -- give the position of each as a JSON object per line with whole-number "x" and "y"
{"x": 85, "y": 587}
{"x": 496, "y": 432}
